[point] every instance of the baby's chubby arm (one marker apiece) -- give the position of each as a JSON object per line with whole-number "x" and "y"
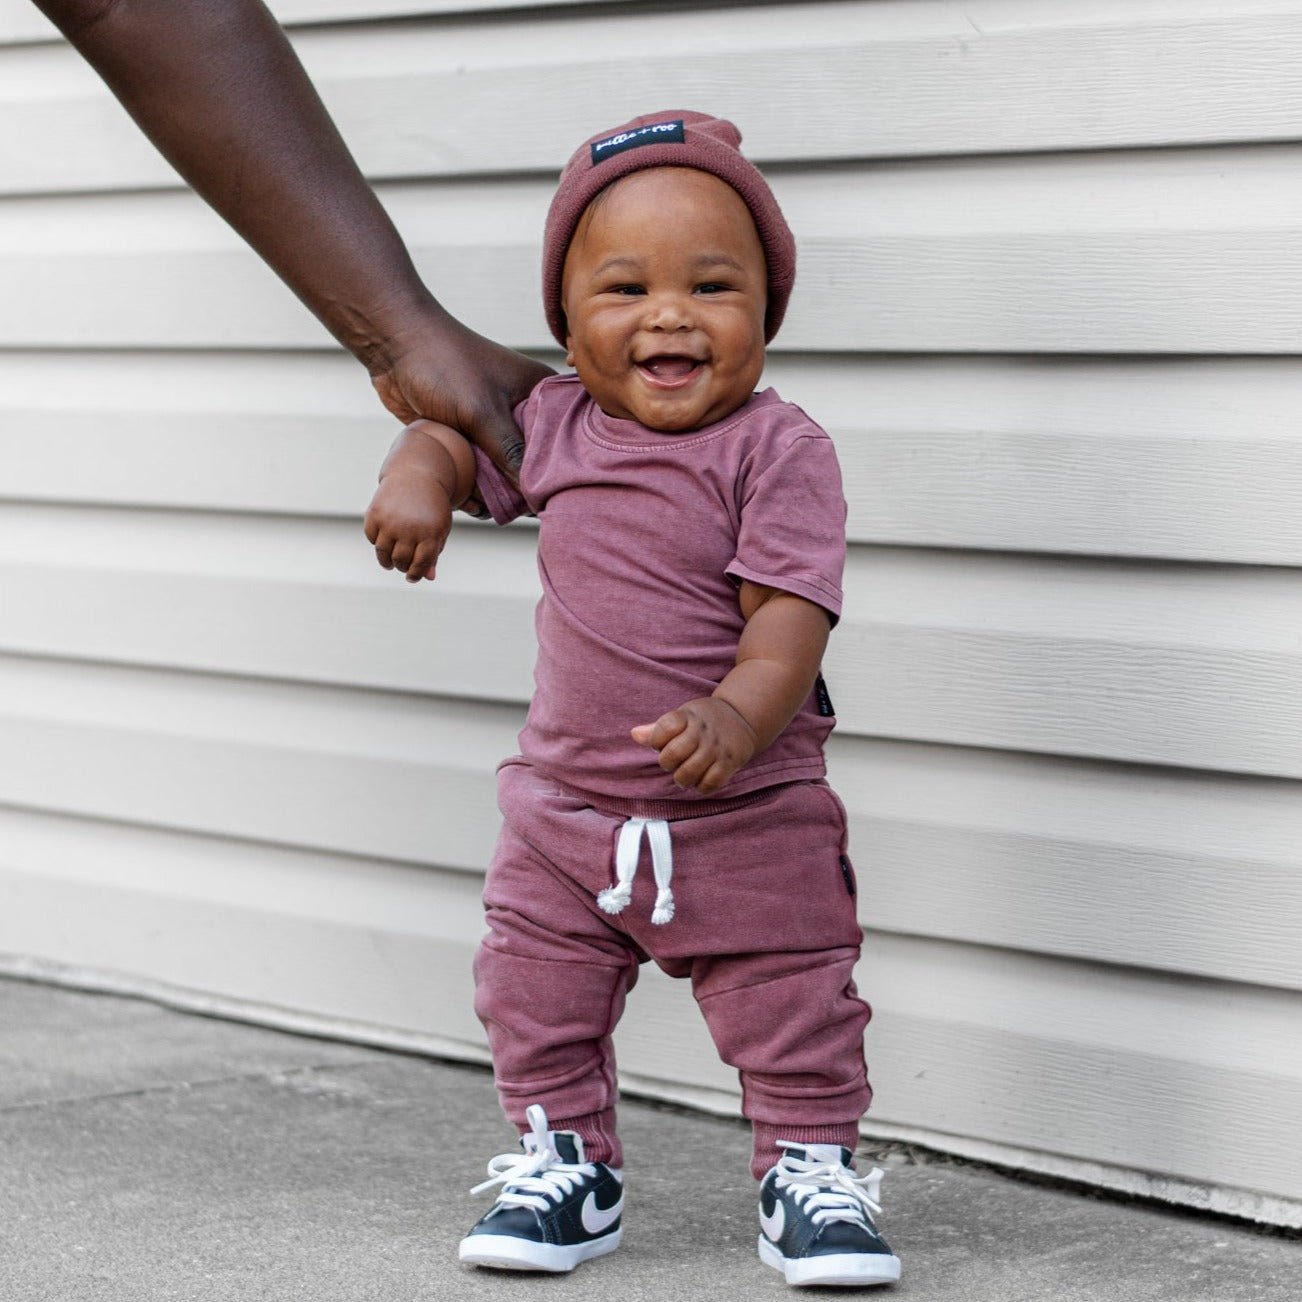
{"x": 428, "y": 474}
{"x": 704, "y": 742}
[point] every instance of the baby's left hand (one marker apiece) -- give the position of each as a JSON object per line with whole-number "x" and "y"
{"x": 702, "y": 743}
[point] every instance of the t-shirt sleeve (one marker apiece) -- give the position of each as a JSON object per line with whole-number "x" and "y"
{"x": 792, "y": 534}
{"x": 502, "y": 498}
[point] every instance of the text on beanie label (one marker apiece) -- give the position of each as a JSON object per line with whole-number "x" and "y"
{"x": 655, "y": 134}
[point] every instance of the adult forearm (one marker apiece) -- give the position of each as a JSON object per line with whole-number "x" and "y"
{"x": 217, "y": 87}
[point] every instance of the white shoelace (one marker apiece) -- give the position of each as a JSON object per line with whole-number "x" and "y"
{"x": 536, "y": 1178}
{"x": 628, "y": 849}
{"x": 831, "y": 1191}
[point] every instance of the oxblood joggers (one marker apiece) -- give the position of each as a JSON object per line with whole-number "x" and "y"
{"x": 764, "y": 926}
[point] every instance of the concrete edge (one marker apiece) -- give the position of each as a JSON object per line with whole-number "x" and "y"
{"x": 1243, "y": 1204}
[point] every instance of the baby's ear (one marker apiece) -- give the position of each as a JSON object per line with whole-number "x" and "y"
{"x": 569, "y": 350}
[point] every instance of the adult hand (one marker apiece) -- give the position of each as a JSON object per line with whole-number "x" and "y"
{"x": 450, "y": 374}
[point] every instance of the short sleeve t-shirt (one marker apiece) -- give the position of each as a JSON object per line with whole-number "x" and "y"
{"x": 644, "y": 538}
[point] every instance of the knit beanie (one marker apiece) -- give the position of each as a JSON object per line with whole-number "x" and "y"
{"x": 673, "y": 138}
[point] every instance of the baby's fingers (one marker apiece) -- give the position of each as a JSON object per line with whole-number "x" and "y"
{"x": 424, "y": 561}
{"x": 683, "y": 757}
{"x": 401, "y": 554}
{"x": 715, "y": 776}
{"x": 663, "y": 730}
{"x": 691, "y": 772}
{"x": 384, "y": 550}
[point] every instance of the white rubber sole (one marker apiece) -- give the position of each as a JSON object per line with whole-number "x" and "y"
{"x": 505, "y": 1252}
{"x": 850, "y": 1269}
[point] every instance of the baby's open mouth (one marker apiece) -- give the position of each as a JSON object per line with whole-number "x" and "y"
{"x": 667, "y": 368}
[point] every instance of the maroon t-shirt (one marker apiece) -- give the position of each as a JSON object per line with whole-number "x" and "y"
{"x": 644, "y": 537}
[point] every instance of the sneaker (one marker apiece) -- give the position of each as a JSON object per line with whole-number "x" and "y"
{"x": 555, "y": 1210}
{"x": 816, "y": 1220}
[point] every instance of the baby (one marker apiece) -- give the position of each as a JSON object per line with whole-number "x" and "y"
{"x": 691, "y": 543}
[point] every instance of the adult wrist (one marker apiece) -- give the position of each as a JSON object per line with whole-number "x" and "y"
{"x": 379, "y": 335}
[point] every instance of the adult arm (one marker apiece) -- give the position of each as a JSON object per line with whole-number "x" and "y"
{"x": 219, "y": 90}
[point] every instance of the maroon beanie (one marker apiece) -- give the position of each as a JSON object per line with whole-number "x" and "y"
{"x": 673, "y": 138}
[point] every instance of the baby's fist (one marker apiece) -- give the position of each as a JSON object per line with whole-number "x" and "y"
{"x": 408, "y": 522}
{"x": 702, "y": 743}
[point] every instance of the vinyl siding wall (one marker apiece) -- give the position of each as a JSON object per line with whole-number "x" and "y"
{"x": 1050, "y": 307}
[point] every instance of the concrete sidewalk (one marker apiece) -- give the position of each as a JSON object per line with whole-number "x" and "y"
{"x": 149, "y": 1154}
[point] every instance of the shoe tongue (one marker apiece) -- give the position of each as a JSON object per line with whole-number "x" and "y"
{"x": 833, "y": 1153}
{"x": 564, "y": 1143}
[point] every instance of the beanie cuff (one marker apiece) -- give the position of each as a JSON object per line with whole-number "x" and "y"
{"x": 673, "y": 138}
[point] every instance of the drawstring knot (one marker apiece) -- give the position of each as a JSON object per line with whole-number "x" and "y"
{"x": 615, "y": 899}
{"x": 628, "y": 849}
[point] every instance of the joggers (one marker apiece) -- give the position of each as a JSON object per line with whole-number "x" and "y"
{"x": 763, "y": 923}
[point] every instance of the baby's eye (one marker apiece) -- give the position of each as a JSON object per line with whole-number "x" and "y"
{"x": 712, "y": 287}
{"x": 626, "y": 289}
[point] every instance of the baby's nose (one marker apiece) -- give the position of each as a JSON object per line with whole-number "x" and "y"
{"x": 669, "y": 312}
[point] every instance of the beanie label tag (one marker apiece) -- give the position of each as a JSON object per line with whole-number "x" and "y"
{"x": 655, "y": 134}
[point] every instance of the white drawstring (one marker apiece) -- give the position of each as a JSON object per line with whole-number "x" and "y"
{"x": 628, "y": 849}
{"x": 662, "y": 865}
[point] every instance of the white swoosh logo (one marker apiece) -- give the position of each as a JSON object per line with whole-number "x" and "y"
{"x": 595, "y": 1219}
{"x": 773, "y": 1225}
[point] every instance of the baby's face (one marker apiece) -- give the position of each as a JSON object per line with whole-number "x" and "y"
{"x": 664, "y": 290}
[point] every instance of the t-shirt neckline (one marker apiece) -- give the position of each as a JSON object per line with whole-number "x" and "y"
{"x": 614, "y": 431}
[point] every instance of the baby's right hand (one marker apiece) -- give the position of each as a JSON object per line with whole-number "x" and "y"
{"x": 408, "y": 521}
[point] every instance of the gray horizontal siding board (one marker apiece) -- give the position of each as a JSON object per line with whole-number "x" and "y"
{"x": 1175, "y": 664}
{"x": 1030, "y": 852}
{"x": 345, "y": 937}
{"x": 1187, "y": 254}
{"x": 1189, "y": 459}
{"x": 366, "y": 773}
{"x": 1172, "y": 664}
{"x": 840, "y": 80}
{"x": 1003, "y": 850}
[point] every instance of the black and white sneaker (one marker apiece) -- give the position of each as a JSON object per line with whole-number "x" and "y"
{"x": 555, "y": 1210}
{"x": 816, "y": 1220}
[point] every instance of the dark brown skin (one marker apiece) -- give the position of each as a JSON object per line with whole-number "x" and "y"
{"x": 704, "y": 742}
{"x": 217, "y": 87}
{"x": 430, "y": 473}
